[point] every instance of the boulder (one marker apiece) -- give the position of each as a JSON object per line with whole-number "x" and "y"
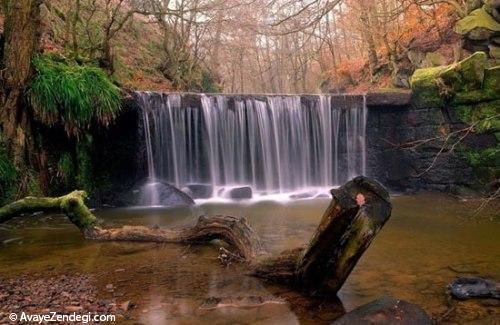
{"x": 474, "y": 287}
{"x": 386, "y": 311}
{"x": 434, "y": 59}
{"x": 478, "y": 18}
{"x": 239, "y": 193}
{"x": 157, "y": 193}
{"x": 402, "y": 78}
{"x": 199, "y": 191}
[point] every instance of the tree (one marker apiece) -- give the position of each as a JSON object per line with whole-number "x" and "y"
{"x": 21, "y": 38}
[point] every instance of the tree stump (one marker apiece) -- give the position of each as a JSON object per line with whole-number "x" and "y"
{"x": 357, "y": 212}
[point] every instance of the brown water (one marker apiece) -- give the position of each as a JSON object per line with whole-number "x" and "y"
{"x": 429, "y": 240}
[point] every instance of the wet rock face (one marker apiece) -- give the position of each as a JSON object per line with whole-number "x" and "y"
{"x": 474, "y": 287}
{"x": 386, "y": 311}
{"x": 401, "y": 169}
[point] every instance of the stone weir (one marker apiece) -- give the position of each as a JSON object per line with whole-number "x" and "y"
{"x": 382, "y": 135}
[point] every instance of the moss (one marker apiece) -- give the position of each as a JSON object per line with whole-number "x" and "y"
{"x": 478, "y": 18}
{"x": 72, "y": 204}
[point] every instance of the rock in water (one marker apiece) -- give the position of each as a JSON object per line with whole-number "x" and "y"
{"x": 303, "y": 195}
{"x": 244, "y": 192}
{"x": 156, "y": 193}
{"x": 199, "y": 191}
{"x": 386, "y": 311}
{"x": 474, "y": 287}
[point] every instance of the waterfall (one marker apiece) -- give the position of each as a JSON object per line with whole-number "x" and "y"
{"x": 274, "y": 144}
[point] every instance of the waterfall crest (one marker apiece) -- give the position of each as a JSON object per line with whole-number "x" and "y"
{"x": 274, "y": 144}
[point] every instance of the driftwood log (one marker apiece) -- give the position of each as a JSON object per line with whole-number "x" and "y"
{"x": 357, "y": 212}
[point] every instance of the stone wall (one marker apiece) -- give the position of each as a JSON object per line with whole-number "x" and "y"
{"x": 400, "y": 156}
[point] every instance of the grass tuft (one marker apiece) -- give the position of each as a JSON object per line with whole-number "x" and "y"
{"x": 72, "y": 95}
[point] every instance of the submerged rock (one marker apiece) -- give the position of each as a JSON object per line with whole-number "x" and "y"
{"x": 239, "y": 302}
{"x": 303, "y": 195}
{"x": 474, "y": 287}
{"x": 244, "y": 192}
{"x": 199, "y": 191}
{"x": 386, "y": 310}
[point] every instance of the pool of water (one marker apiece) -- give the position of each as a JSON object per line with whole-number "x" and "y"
{"x": 429, "y": 240}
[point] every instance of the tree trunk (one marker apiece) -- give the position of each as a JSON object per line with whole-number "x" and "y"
{"x": 22, "y": 27}
{"x": 22, "y": 35}
{"x": 366, "y": 32}
{"x": 357, "y": 212}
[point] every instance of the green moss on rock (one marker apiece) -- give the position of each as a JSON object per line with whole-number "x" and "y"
{"x": 425, "y": 90}
{"x": 478, "y": 18}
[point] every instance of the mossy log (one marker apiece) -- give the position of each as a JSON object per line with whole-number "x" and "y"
{"x": 356, "y": 214}
{"x": 72, "y": 204}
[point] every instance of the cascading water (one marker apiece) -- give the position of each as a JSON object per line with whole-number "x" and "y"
{"x": 274, "y": 144}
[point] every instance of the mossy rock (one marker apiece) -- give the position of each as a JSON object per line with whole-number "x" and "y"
{"x": 464, "y": 82}
{"x": 478, "y": 18}
{"x": 425, "y": 90}
{"x": 488, "y": 92}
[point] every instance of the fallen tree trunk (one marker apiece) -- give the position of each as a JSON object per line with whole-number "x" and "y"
{"x": 236, "y": 232}
{"x": 356, "y": 213}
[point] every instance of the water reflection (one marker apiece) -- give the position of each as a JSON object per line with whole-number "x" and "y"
{"x": 421, "y": 249}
